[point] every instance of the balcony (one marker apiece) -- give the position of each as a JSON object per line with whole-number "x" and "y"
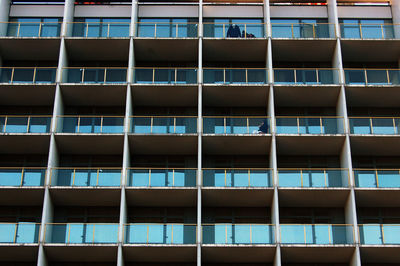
{"x": 86, "y": 177}
{"x": 317, "y": 76}
{"x": 238, "y": 30}
{"x": 235, "y": 76}
{"x": 163, "y": 125}
{"x": 372, "y": 77}
{"x": 163, "y": 76}
{"x": 379, "y": 234}
{"x": 374, "y": 125}
{"x": 160, "y": 234}
{"x": 19, "y": 233}
{"x": 238, "y": 234}
{"x": 158, "y": 177}
{"x": 33, "y": 29}
{"x": 167, "y": 30}
{"x": 90, "y": 124}
{"x": 309, "y": 125}
{"x": 317, "y": 234}
{"x": 367, "y": 31}
{"x": 28, "y": 75}
{"x": 81, "y": 233}
{"x": 236, "y": 125}
{"x": 313, "y": 178}
{"x": 377, "y": 178}
{"x": 22, "y": 177}
{"x": 25, "y": 124}
{"x": 109, "y": 75}
{"x": 303, "y": 30}
{"x": 99, "y": 29}
{"x": 237, "y": 178}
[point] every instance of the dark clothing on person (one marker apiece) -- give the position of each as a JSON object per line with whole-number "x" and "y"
{"x": 233, "y": 32}
{"x": 264, "y": 127}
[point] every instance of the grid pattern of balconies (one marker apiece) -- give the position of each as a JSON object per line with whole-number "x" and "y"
{"x": 270, "y": 160}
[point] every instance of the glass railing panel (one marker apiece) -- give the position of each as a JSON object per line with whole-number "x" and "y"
{"x": 100, "y": 29}
{"x": 25, "y": 124}
{"x": 318, "y": 234}
{"x": 86, "y": 177}
{"x": 95, "y": 75}
{"x": 27, "y": 75}
{"x": 160, "y": 234}
{"x": 81, "y": 233}
{"x": 385, "y": 126}
{"x": 360, "y": 126}
{"x": 367, "y": 31}
{"x": 309, "y": 125}
{"x": 167, "y": 30}
{"x": 237, "y": 178}
{"x": 236, "y": 125}
{"x": 355, "y": 76}
{"x": 241, "y": 30}
{"x": 302, "y": 30}
{"x": 33, "y": 29}
{"x": 377, "y": 178}
{"x": 305, "y": 76}
{"x": 238, "y": 234}
{"x": 161, "y": 177}
{"x": 234, "y": 76}
{"x": 85, "y": 124}
{"x": 313, "y": 177}
{"x": 22, "y": 177}
{"x": 379, "y": 126}
{"x": 379, "y": 234}
{"x": 372, "y": 76}
{"x": 163, "y": 125}
{"x": 165, "y": 75}
{"x": 45, "y": 75}
{"x": 23, "y": 233}
{"x": 394, "y": 76}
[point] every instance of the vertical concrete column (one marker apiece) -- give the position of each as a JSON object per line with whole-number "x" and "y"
{"x": 333, "y": 18}
{"x": 134, "y": 17}
{"x": 396, "y": 17}
{"x": 267, "y": 19}
{"x": 69, "y": 12}
{"x": 5, "y": 6}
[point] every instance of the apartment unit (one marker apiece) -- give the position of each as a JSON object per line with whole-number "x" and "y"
{"x": 200, "y": 132}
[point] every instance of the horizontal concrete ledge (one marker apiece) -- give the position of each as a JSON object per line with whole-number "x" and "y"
{"x": 240, "y": 245}
{"x": 83, "y": 188}
{"x": 166, "y": 38}
{"x": 30, "y": 38}
{"x": 25, "y": 134}
{"x": 19, "y": 244}
{"x": 79, "y": 245}
{"x": 237, "y": 85}
{"x": 305, "y": 39}
{"x": 257, "y": 135}
{"x": 315, "y": 188}
{"x": 97, "y": 38}
{"x": 236, "y": 39}
{"x": 237, "y": 188}
{"x": 380, "y": 246}
{"x": 163, "y": 85}
{"x": 307, "y": 85}
{"x": 95, "y": 84}
{"x": 312, "y": 135}
{"x": 318, "y": 246}
{"x": 161, "y": 188}
{"x": 88, "y": 134}
{"x": 375, "y": 135}
{"x": 22, "y": 187}
{"x": 166, "y": 134}
{"x": 160, "y": 245}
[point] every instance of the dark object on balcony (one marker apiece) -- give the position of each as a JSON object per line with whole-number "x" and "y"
{"x": 233, "y": 31}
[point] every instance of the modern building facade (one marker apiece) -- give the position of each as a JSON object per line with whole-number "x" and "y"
{"x": 200, "y": 133}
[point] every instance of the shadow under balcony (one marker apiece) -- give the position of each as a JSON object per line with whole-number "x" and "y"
{"x": 161, "y": 187}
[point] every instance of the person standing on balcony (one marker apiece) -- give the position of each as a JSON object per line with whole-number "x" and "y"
{"x": 233, "y": 31}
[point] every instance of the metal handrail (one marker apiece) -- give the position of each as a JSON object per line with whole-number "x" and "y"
{"x": 249, "y": 172}
{"x": 41, "y": 23}
{"x": 150, "y": 172}
{"x": 314, "y": 24}
{"x": 371, "y": 125}
{"x": 109, "y": 24}
{"x": 365, "y": 72}
{"x": 28, "y": 122}
{"x": 325, "y": 170}
{"x": 102, "y": 117}
{"x": 35, "y": 70}
{"x": 83, "y": 69}
{"x": 321, "y": 124}
{"x": 177, "y": 24}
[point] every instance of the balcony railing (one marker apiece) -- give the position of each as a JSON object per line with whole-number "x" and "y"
{"x": 303, "y": 30}
{"x": 25, "y": 124}
{"x": 33, "y": 29}
{"x": 22, "y": 177}
{"x": 161, "y": 177}
{"x": 238, "y": 30}
{"x": 167, "y": 234}
{"x": 309, "y": 125}
{"x": 101, "y": 75}
{"x": 165, "y": 75}
{"x": 238, "y": 234}
{"x": 372, "y": 76}
{"x": 163, "y": 124}
{"x": 237, "y": 178}
{"x": 317, "y": 234}
{"x": 167, "y": 30}
{"x": 19, "y": 233}
{"x": 99, "y": 29}
{"x": 81, "y": 233}
{"x": 90, "y": 124}
{"x": 375, "y": 125}
{"x": 377, "y": 178}
{"x": 317, "y": 178}
{"x": 367, "y": 31}
{"x": 235, "y": 76}
{"x": 31, "y": 75}
{"x": 236, "y": 125}
{"x": 379, "y": 234}
{"x": 86, "y": 177}
{"x": 309, "y": 76}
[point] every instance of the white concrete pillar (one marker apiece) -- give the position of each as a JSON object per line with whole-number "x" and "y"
{"x": 395, "y": 4}
{"x": 4, "y": 16}
{"x": 134, "y": 17}
{"x": 333, "y": 18}
{"x": 69, "y": 12}
{"x": 267, "y": 19}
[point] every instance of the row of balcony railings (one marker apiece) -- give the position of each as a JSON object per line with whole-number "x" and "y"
{"x": 187, "y": 177}
{"x": 184, "y": 234}
{"x": 75, "y": 124}
{"x": 211, "y": 30}
{"x": 119, "y": 75}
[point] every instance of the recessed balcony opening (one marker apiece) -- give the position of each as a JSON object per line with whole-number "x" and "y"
{"x": 37, "y": 71}
{"x": 165, "y": 72}
{"x": 371, "y": 74}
